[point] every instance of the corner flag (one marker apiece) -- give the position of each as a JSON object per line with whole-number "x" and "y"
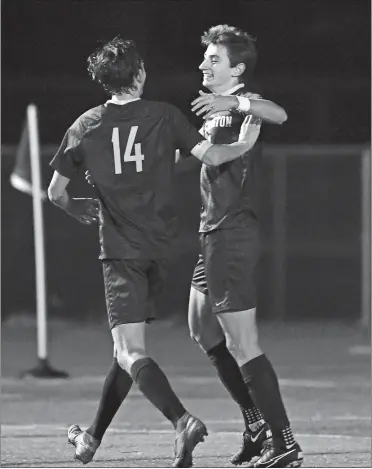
{"x": 21, "y": 178}
{"x": 26, "y": 177}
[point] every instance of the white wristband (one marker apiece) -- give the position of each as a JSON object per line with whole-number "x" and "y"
{"x": 244, "y": 104}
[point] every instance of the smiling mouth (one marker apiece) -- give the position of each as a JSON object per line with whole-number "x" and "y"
{"x": 207, "y": 76}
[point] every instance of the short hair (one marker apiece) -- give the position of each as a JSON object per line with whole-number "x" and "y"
{"x": 115, "y": 65}
{"x": 241, "y": 47}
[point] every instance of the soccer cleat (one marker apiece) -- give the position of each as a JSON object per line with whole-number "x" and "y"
{"x": 252, "y": 445}
{"x": 276, "y": 454}
{"x": 85, "y": 444}
{"x": 190, "y": 431}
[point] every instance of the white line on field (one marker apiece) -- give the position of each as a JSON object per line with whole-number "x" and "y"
{"x": 8, "y": 429}
{"x": 86, "y": 380}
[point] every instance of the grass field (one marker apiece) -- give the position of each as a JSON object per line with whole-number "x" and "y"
{"x": 324, "y": 372}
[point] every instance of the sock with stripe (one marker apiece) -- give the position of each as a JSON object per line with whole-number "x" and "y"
{"x": 260, "y": 377}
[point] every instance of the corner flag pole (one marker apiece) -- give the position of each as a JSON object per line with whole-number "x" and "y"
{"x": 366, "y": 254}
{"x": 38, "y": 233}
{"x": 43, "y": 369}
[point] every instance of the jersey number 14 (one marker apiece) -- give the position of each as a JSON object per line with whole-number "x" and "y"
{"x": 136, "y": 157}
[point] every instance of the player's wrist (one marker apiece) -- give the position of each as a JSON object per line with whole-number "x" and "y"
{"x": 244, "y": 103}
{"x": 234, "y": 103}
{"x": 72, "y": 207}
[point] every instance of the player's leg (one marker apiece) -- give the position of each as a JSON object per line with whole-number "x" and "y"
{"x": 115, "y": 388}
{"x": 130, "y": 345}
{"x": 131, "y": 354}
{"x": 117, "y": 383}
{"x": 204, "y": 327}
{"x": 237, "y": 316}
{"x": 262, "y": 381}
{"x": 207, "y": 332}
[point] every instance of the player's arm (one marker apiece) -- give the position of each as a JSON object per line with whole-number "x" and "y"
{"x": 267, "y": 111}
{"x": 179, "y": 156}
{"x": 84, "y": 210}
{"x": 66, "y": 162}
{"x": 217, "y": 154}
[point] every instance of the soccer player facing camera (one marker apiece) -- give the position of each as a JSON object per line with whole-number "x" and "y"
{"x": 128, "y": 145}
{"x": 222, "y": 306}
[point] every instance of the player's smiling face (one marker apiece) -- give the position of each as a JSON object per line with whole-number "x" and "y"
{"x": 218, "y": 75}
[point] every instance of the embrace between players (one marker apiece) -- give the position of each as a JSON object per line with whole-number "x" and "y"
{"x": 128, "y": 146}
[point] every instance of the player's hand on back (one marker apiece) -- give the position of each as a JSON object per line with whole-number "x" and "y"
{"x": 210, "y": 103}
{"x": 86, "y": 211}
{"x": 250, "y": 130}
{"x": 88, "y": 177}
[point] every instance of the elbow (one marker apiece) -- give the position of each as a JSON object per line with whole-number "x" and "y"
{"x": 277, "y": 116}
{"x": 284, "y": 116}
{"x": 52, "y": 195}
{"x": 281, "y": 116}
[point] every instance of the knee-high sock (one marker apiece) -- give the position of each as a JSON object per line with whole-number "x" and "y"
{"x": 155, "y": 386}
{"x": 115, "y": 389}
{"x": 230, "y": 375}
{"x": 260, "y": 377}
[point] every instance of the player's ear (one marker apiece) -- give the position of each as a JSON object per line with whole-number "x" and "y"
{"x": 141, "y": 77}
{"x": 239, "y": 69}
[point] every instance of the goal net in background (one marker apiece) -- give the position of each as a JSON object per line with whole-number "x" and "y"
{"x": 319, "y": 231}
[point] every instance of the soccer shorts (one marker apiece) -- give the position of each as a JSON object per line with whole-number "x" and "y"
{"x": 226, "y": 268}
{"x": 130, "y": 288}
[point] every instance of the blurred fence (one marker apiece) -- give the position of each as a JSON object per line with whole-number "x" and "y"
{"x": 312, "y": 233}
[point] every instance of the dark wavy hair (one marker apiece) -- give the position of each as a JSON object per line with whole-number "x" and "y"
{"x": 241, "y": 47}
{"x": 115, "y": 65}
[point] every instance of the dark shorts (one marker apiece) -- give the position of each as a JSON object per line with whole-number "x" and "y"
{"x": 226, "y": 269}
{"x": 130, "y": 288}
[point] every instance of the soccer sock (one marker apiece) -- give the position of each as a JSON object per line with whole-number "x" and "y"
{"x": 116, "y": 387}
{"x": 230, "y": 375}
{"x": 260, "y": 377}
{"x": 153, "y": 383}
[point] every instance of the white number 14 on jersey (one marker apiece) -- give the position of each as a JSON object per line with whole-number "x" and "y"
{"x": 137, "y": 157}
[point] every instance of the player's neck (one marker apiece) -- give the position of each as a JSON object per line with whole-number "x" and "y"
{"x": 224, "y": 86}
{"x": 121, "y": 98}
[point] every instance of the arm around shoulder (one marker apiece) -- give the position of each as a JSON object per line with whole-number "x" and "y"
{"x": 215, "y": 155}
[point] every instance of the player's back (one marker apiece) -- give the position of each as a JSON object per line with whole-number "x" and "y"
{"x": 129, "y": 150}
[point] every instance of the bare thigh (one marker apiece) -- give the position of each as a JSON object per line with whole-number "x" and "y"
{"x": 240, "y": 329}
{"x": 204, "y": 326}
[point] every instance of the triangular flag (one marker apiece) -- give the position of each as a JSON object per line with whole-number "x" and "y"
{"x": 21, "y": 178}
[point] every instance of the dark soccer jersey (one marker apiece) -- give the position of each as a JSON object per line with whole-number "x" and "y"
{"x": 129, "y": 150}
{"x": 227, "y": 190}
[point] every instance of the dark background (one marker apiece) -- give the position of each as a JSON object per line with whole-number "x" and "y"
{"x": 314, "y": 60}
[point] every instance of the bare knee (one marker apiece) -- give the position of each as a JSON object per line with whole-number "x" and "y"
{"x": 204, "y": 327}
{"x": 129, "y": 344}
{"x": 126, "y": 358}
{"x": 205, "y": 337}
{"x": 243, "y": 350}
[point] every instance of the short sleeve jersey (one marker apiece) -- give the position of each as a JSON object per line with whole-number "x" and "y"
{"x": 227, "y": 191}
{"x": 129, "y": 150}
